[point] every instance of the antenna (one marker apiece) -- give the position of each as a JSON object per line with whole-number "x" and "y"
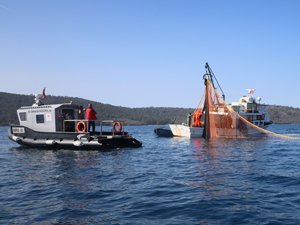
{"x": 250, "y": 91}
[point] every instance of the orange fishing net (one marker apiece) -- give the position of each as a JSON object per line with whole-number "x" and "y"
{"x": 221, "y": 121}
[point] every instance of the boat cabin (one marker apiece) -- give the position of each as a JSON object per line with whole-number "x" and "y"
{"x": 251, "y": 109}
{"x": 49, "y": 118}
{"x": 245, "y": 104}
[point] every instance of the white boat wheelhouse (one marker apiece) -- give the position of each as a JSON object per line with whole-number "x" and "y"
{"x": 251, "y": 109}
{"x": 47, "y": 118}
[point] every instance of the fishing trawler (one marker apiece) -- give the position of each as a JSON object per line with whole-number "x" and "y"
{"x": 58, "y": 126}
{"x": 214, "y": 118}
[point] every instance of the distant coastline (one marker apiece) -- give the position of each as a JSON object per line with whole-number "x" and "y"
{"x": 133, "y": 116}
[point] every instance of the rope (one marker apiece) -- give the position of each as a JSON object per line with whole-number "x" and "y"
{"x": 269, "y": 132}
{"x": 200, "y": 105}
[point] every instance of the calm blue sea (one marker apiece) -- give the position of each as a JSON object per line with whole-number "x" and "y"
{"x": 167, "y": 181}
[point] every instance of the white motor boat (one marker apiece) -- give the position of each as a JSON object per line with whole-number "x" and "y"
{"x": 58, "y": 126}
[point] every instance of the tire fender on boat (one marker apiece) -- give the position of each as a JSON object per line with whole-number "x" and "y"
{"x": 81, "y": 126}
{"x": 78, "y": 143}
{"x": 50, "y": 142}
{"x": 117, "y": 127}
{"x": 15, "y": 138}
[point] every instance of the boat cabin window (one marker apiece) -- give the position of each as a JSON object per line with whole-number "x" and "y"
{"x": 23, "y": 116}
{"x": 68, "y": 114}
{"x": 236, "y": 108}
{"x": 40, "y": 118}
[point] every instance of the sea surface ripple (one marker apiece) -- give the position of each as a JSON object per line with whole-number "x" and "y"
{"x": 167, "y": 181}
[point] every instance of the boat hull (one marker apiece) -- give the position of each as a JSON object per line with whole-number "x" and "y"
{"x": 179, "y": 130}
{"x": 163, "y": 132}
{"x": 71, "y": 140}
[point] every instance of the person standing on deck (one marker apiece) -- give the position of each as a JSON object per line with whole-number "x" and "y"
{"x": 189, "y": 119}
{"x": 90, "y": 115}
{"x": 197, "y": 118}
{"x": 81, "y": 113}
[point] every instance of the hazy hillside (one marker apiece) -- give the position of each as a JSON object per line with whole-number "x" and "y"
{"x": 284, "y": 114}
{"x": 149, "y": 115}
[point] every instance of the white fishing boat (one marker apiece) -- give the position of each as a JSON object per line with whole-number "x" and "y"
{"x": 214, "y": 118}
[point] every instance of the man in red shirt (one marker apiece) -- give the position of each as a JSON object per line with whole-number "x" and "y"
{"x": 90, "y": 115}
{"x": 197, "y": 118}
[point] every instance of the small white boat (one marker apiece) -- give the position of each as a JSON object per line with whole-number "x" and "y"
{"x": 179, "y": 130}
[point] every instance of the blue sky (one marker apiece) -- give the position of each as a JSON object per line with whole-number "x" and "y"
{"x": 151, "y": 53}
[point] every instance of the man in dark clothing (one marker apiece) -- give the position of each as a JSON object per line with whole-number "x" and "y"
{"x": 189, "y": 119}
{"x": 80, "y": 113}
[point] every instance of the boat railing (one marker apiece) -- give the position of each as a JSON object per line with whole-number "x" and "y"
{"x": 107, "y": 127}
{"x": 117, "y": 127}
{"x": 251, "y": 111}
{"x": 70, "y": 125}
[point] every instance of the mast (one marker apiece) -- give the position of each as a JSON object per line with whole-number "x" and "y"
{"x": 211, "y": 77}
{"x": 212, "y": 101}
{"x": 206, "y": 131}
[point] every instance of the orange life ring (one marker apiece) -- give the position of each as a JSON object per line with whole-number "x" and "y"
{"x": 81, "y": 126}
{"x": 119, "y": 125}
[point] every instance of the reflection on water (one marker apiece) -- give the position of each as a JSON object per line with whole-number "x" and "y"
{"x": 220, "y": 163}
